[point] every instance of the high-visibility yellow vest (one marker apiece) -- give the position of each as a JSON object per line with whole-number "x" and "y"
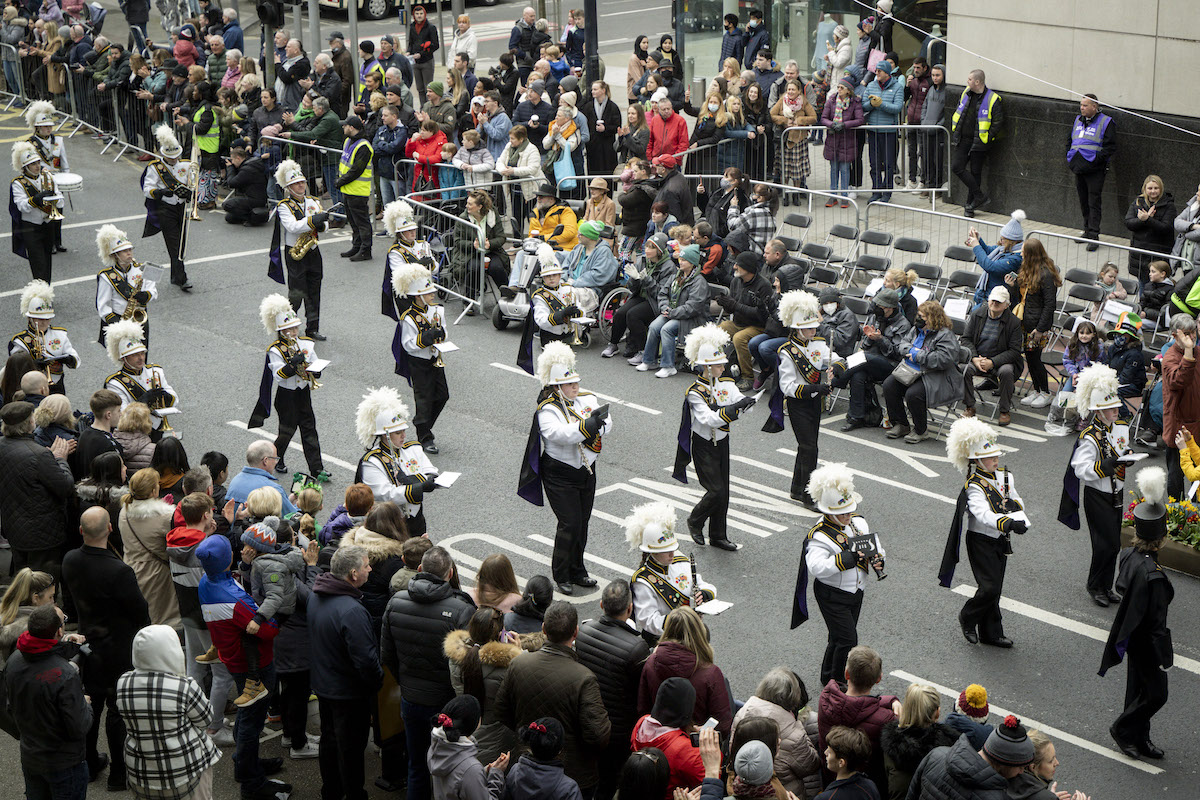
{"x": 983, "y": 118}
{"x": 208, "y": 142}
{"x": 361, "y": 185}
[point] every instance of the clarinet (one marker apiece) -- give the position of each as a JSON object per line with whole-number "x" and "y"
{"x": 695, "y": 583}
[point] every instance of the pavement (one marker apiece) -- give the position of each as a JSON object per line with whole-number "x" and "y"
{"x": 211, "y": 345}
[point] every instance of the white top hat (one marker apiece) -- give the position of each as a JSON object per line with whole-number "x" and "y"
{"x": 705, "y": 346}
{"x": 37, "y": 300}
{"x": 547, "y": 263}
{"x": 651, "y": 528}
{"x": 276, "y": 313}
{"x": 109, "y": 242}
{"x": 832, "y": 487}
{"x": 288, "y": 172}
{"x": 381, "y": 412}
{"x": 971, "y": 439}
{"x": 799, "y": 309}
{"x": 168, "y": 145}
{"x": 412, "y": 279}
{"x": 23, "y": 154}
{"x": 398, "y": 217}
{"x": 1096, "y": 388}
{"x": 124, "y": 338}
{"x": 39, "y": 114}
{"x": 556, "y": 365}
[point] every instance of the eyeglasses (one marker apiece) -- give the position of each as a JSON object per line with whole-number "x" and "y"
{"x": 271, "y": 458}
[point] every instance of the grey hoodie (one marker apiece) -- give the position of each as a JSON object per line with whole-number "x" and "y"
{"x": 457, "y": 773}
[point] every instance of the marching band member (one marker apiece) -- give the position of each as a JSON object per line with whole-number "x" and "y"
{"x": 838, "y": 565}
{"x": 51, "y": 149}
{"x": 121, "y": 283}
{"x": 396, "y": 470}
{"x": 48, "y": 345}
{"x": 1140, "y": 629}
{"x": 664, "y": 579}
{"x": 298, "y": 221}
{"x": 137, "y": 381}
{"x": 285, "y": 366}
{"x": 401, "y": 222}
{"x": 803, "y": 358}
{"x": 710, "y": 405}
{"x": 1095, "y": 468}
{"x": 420, "y": 329}
{"x": 551, "y": 308}
{"x": 31, "y": 207}
{"x": 990, "y": 511}
{"x": 560, "y": 458}
{"x": 164, "y": 183}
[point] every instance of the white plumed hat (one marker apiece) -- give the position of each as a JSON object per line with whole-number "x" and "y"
{"x": 1096, "y": 388}
{"x": 412, "y": 279}
{"x": 124, "y": 338}
{"x": 556, "y": 365}
{"x": 37, "y": 300}
{"x": 705, "y": 346}
{"x": 39, "y": 113}
{"x": 23, "y": 153}
{"x": 969, "y": 439}
{"x": 109, "y": 242}
{"x": 1150, "y": 515}
{"x": 832, "y": 487}
{"x": 381, "y": 412}
{"x": 650, "y": 528}
{"x": 168, "y": 145}
{"x": 799, "y": 309}
{"x": 277, "y": 314}
{"x": 398, "y": 216}
{"x": 547, "y": 263}
{"x": 288, "y": 172}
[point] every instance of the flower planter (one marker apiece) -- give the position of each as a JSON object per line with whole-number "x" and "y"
{"x": 1173, "y": 555}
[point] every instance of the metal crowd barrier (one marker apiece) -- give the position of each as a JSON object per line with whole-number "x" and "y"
{"x": 450, "y": 227}
{"x": 1070, "y": 252}
{"x": 311, "y": 158}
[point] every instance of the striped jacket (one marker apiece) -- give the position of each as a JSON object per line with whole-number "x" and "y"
{"x": 228, "y": 609}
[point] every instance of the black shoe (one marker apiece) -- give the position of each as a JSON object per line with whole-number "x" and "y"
{"x": 1150, "y": 750}
{"x": 1100, "y": 598}
{"x": 271, "y": 766}
{"x": 508, "y": 292}
{"x": 430, "y": 447}
{"x": 999, "y": 641}
{"x": 281, "y": 467}
{"x": 389, "y": 786}
{"x": 852, "y": 424}
{"x": 271, "y": 790}
{"x": 118, "y": 785}
{"x": 316, "y": 336}
{"x": 725, "y": 544}
{"x": 94, "y": 771}
{"x": 1091, "y": 248}
{"x": 697, "y": 534}
{"x": 969, "y": 213}
{"x": 351, "y": 252}
{"x": 1113, "y": 596}
{"x": 60, "y": 249}
{"x": 1127, "y": 748}
{"x": 186, "y": 286}
{"x": 980, "y": 202}
{"x": 361, "y": 255}
{"x": 565, "y": 588}
{"x": 970, "y": 634}
{"x": 586, "y": 582}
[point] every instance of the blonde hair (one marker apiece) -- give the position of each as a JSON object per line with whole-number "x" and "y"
{"x": 684, "y": 625}
{"x": 142, "y": 486}
{"x": 552, "y": 51}
{"x": 1162, "y": 189}
{"x": 264, "y": 502}
{"x": 20, "y": 592}
{"x": 1041, "y": 743}
{"x": 308, "y": 525}
{"x": 135, "y": 418}
{"x": 683, "y": 231}
{"x": 720, "y": 117}
{"x": 921, "y": 704}
{"x": 309, "y": 500}
{"x": 196, "y": 73}
{"x": 901, "y": 277}
{"x": 378, "y": 101}
{"x": 55, "y": 408}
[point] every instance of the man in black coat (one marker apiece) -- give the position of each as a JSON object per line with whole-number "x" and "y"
{"x": 747, "y": 305}
{"x": 995, "y": 339}
{"x": 613, "y": 649}
{"x": 111, "y": 611}
{"x": 422, "y": 44}
{"x": 45, "y": 697}
{"x": 248, "y": 177}
{"x": 674, "y": 189}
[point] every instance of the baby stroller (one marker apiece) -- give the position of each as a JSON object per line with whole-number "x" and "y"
{"x": 92, "y": 19}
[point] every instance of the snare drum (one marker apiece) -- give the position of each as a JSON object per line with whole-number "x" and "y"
{"x": 68, "y": 182}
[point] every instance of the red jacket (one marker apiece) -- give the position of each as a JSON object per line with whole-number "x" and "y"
{"x": 673, "y": 660}
{"x": 868, "y": 714}
{"x": 427, "y": 153}
{"x": 667, "y": 136}
{"x": 1181, "y": 395}
{"x": 687, "y": 770}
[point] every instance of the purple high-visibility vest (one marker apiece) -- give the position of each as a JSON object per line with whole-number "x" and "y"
{"x": 1086, "y": 139}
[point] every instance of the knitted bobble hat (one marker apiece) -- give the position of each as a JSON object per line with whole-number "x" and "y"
{"x": 973, "y": 702}
{"x": 1009, "y": 744}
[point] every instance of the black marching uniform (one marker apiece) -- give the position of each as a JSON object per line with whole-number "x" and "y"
{"x": 167, "y": 195}
{"x": 294, "y": 218}
{"x": 33, "y": 230}
{"x": 801, "y": 366}
{"x": 419, "y": 331}
{"x": 1096, "y": 480}
{"x": 293, "y": 398}
{"x": 53, "y": 153}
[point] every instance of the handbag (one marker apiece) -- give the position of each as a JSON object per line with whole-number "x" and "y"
{"x": 1019, "y": 311}
{"x": 905, "y": 374}
{"x": 873, "y": 58}
{"x": 564, "y": 168}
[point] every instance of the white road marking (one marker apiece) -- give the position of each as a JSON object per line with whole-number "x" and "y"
{"x": 1054, "y": 733}
{"x": 907, "y": 487}
{"x": 262, "y": 434}
{"x": 684, "y": 498}
{"x": 518, "y": 371}
{"x": 95, "y": 223}
{"x": 1066, "y": 623}
{"x": 907, "y": 458}
{"x": 472, "y": 563}
{"x": 620, "y": 569}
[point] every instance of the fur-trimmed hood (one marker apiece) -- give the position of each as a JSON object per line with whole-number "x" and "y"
{"x": 497, "y": 655}
{"x": 379, "y": 547}
{"x": 906, "y": 748}
{"x": 139, "y": 510}
{"x": 91, "y": 494}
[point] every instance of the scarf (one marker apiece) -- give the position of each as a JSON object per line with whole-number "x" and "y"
{"x": 742, "y": 789}
{"x": 32, "y": 645}
{"x": 514, "y": 153}
{"x": 793, "y": 105}
{"x": 840, "y": 107}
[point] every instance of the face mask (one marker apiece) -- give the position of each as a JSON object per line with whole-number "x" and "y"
{"x": 829, "y": 308}
{"x": 726, "y": 183}
{"x": 752, "y": 23}
{"x": 713, "y": 107}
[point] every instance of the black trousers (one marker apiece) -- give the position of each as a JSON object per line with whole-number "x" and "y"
{"x": 896, "y": 395}
{"x": 359, "y": 216}
{"x": 1090, "y": 187}
{"x": 967, "y": 166}
{"x": 862, "y": 379}
{"x": 430, "y": 394}
{"x": 1145, "y": 691}
{"x": 805, "y": 416}
{"x": 635, "y": 314}
{"x": 304, "y": 286}
{"x": 1038, "y": 375}
{"x": 295, "y": 410}
{"x": 345, "y": 728}
{"x": 988, "y": 562}
{"x": 57, "y": 226}
{"x": 39, "y": 245}
{"x": 104, "y": 704}
{"x": 294, "y": 691}
{"x": 1175, "y": 482}
{"x": 840, "y": 610}
{"x": 712, "y": 469}
{"x": 237, "y": 210}
{"x": 612, "y": 759}
{"x": 1104, "y": 528}
{"x": 933, "y": 158}
{"x": 170, "y": 219}
{"x": 571, "y": 492}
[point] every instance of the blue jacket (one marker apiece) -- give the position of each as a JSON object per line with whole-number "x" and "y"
{"x": 494, "y": 131}
{"x": 387, "y": 143}
{"x": 592, "y": 271}
{"x": 234, "y": 40}
{"x": 756, "y": 39}
{"x": 251, "y": 478}
{"x": 1130, "y": 367}
{"x": 345, "y": 655}
{"x": 995, "y": 264}
{"x": 892, "y": 96}
{"x": 733, "y": 45}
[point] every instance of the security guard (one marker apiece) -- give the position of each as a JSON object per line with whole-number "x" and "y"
{"x": 664, "y": 579}
{"x": 548, "y": 214}
{"x": 1093, "y": 144}
{"x": 354, "y": 182}
{"x": 990, "y": 510}
{"x": 206, "y": 130}
{"x": 137, "y": 381}
{"x": 422, "y": 327}
{"x": 287, "y": 363}
{"x": 51, "y": 149}
{"x": 401, "y": 223}
{"x": 1095, "y": 478}
{"x": 31, "y": 205}
{"x": 836, "y": 552}
{"x": 164, "y": 183}
{"x": 121, "y": 282}
{"x": 397, "y": 471}
{"x": 48, "y": 345}
{"x": 803, "y": 359}
{"x": 709, "y": 406}
{"x": 975, "y": 125}
{"x": 299, "y": 217}
{"x": 560, "y": 458}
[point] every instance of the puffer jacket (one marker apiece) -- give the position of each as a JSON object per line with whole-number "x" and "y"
{"x": 340, "y": 521}
{"x": 476, "y": 165}
{"x": 530, "y": 779}
{"x": 672, "y": 659}
{"x": 691, "y": 305}
{"x": 957, "y": 772}
{"x": 36, "y": 490}
{"x": 10, "y": 632}
{"x": 615, "y": 652}
{"x": 273, "y": 578}
{"x": 895, "y": 330}
{"x": 492, "y": 737}
{"x": 137, "y": 449}
{"x": 635, "y": 207}
{"x": 868, "y": 714}
{"x": 797, "y": 764}
{"x": 415, "y": 624}
{"x": 384, "y": 556}
{"x": 457, "y": 772}
{"x": 186, "y": 572}
{"x": 904, "y": 749}
{"x": 995, "y": 264}
{"x": 1028, "y": 786}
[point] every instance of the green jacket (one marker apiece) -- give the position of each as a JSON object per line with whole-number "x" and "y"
{"x": 444, "y": 114}
{"x": 326, "y": 133}
{"x": 216, "y": 69}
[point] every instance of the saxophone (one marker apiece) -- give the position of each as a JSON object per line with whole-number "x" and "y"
{"x": 156, "y": 383}
{"x": 133, "y": 309}
{"x": 290, "y": 350}
{"x": 303, "y": 246}
{"x": 38, "y": 342}
{"x": 50, "y": 209}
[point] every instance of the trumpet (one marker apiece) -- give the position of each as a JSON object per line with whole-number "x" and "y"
{"x": 51, "y": 209}
{"x": 290, "y": 349}
{"x": 156, "y": 383}
{"x": 133, "y": 309}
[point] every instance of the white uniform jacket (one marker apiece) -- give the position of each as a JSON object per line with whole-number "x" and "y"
{"x": 384, "y": 470}
{"x": 793, "y": 376}
{"x": 563, "y": 435}
{"x": 277, "y": 362}
{"x": 55, "y": 344}
{"x": 657, "y": 590}
{"x": 126, "y": 384}
{"x": 828, "y": 559}
{"x": 707, "y": 423}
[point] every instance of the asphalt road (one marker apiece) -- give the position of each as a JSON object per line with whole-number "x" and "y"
{"x": 212, "y": 345}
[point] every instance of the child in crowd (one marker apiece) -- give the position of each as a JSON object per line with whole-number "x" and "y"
{"x": 846, "y": 753}
{"x": 970, "y": 715}
{"x": 1113, "y": 290}
{"x": 1124, "y": 355}
{"x": 411, "y": 552}
{"x": 450, "y": 176}
{"x": 1156, "y": 292}
{"x": 310, "y": 501}
{"x": 1082, "y": 350}
{"x": 356, "y": 502}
